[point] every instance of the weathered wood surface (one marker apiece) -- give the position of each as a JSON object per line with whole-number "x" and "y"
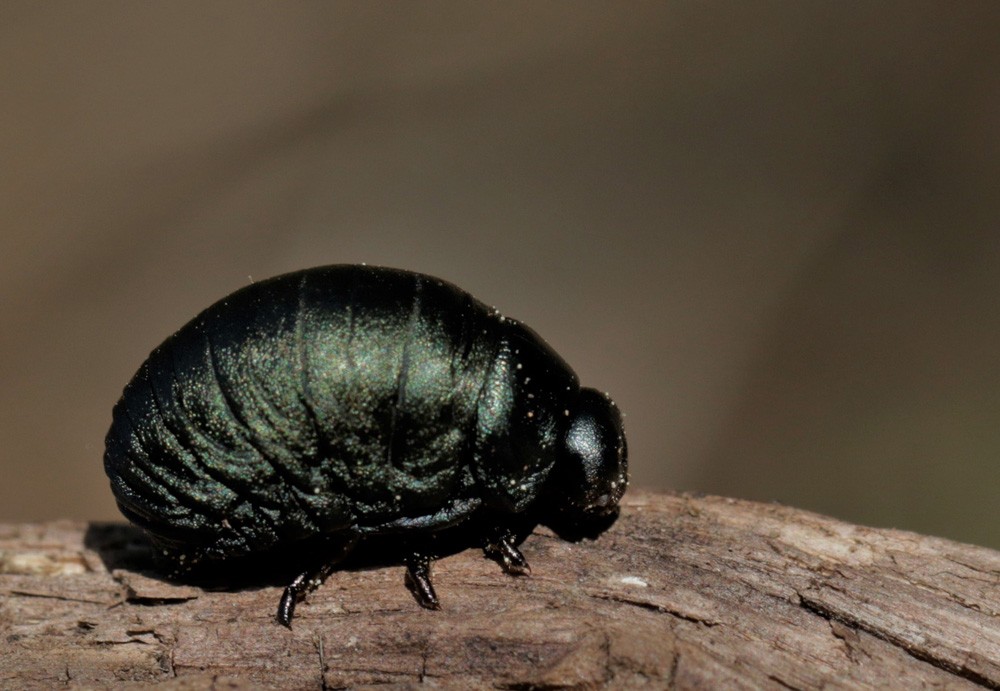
{"x": 693, "y": 592}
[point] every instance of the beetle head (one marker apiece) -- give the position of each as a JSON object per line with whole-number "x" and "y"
{"x": 593, "y": 470}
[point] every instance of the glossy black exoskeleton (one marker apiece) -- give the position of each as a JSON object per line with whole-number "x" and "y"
{"x": 353, "y": 402}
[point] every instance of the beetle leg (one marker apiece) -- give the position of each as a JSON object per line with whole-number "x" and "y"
{"x": 418, "y": 580}
{"x": 310, "y": 579}
{"x": 500, "y": 548}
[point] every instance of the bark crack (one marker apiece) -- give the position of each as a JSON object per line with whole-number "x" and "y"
{"x": 924, "y": 655}
{"x": 55, "y": 596}
{"x": 657, "y": 607}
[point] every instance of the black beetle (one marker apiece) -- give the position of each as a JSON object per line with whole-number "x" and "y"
{"x": 350, "y": 403}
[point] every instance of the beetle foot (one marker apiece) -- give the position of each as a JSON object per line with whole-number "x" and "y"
{"x": 501, "y": 549}
{"x": 418, "y": 580}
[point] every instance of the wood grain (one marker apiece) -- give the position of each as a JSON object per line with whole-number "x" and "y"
{"x": 684, "y": 591}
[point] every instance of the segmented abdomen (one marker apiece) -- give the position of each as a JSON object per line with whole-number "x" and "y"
{"x": 303, "y": 405}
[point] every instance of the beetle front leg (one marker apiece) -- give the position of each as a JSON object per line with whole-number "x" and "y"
{"x": 501, "y": 547}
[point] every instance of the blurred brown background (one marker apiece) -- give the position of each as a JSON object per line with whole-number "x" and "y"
{"x": 769, "y": 229}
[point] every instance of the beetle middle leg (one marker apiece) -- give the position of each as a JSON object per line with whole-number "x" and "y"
{"x": 418, "y": 579}
{"x": 500, "y": 546}
{"x": 312, "y": 578}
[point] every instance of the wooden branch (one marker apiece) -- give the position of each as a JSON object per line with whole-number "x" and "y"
{"x": 684, "y": 591}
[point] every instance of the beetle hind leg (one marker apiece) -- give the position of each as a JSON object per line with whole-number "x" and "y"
{"x": 500, "y": 546}
{"x": 310, "y": 579}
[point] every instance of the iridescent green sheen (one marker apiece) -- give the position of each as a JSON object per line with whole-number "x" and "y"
{"x": 347, "y": 400}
